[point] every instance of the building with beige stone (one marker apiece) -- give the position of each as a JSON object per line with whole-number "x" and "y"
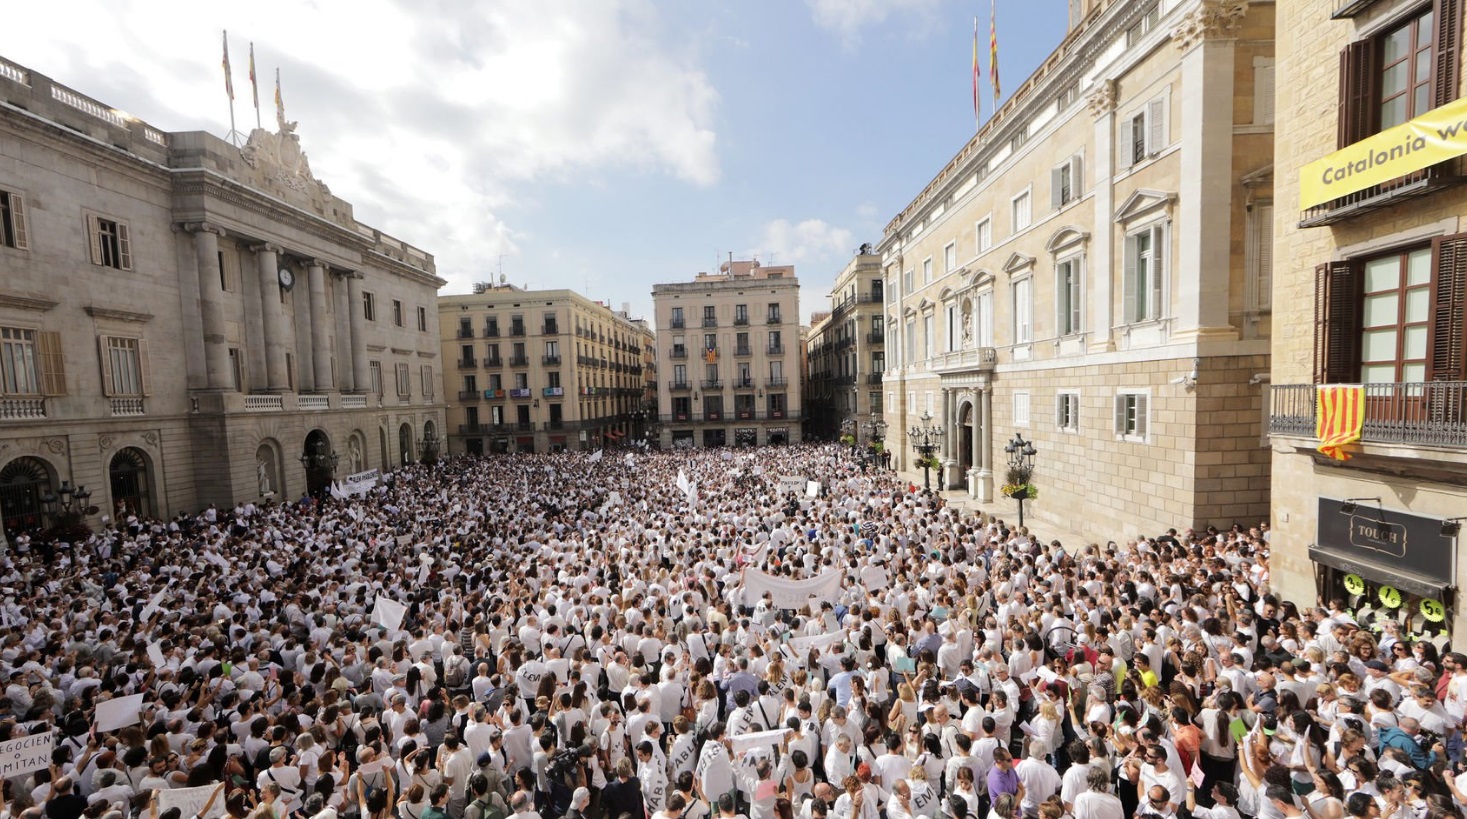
{"x": 185, "y": 322}
{"x": 542, "y": 371}
{"x": 729, "y": 357}
{"x": 846, "y": 353}
{"x": 1090, "y": 271}
{"x": 1372, "y": 295}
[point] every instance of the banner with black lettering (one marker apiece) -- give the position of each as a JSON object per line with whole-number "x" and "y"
{"x": 26, "y": 754}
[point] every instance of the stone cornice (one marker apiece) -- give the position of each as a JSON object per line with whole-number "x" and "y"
{"x": 118, "y": 315}
{"x": 1210, "y": 18}
{"x": 21, "y": 302}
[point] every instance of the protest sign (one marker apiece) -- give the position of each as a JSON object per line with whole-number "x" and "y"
{"x": 26, "y": 754}
{"x": 119, "y": 712}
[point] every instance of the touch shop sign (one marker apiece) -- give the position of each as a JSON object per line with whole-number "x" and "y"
{"x": 1436, "y": 136}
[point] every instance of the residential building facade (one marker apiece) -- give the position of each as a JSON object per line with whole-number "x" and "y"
{"x": 1086, "y": 273}
{"x": 729, "y": 357}
{"x": 187, "y": 322}
{"x": 1370, "y": 307}
{"x": 847, "y": 352}
{"x": 541, "y": 371}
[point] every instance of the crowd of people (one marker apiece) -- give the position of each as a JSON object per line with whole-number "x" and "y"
{"x": 545, "y": 636}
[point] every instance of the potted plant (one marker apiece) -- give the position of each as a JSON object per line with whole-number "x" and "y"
{"x": 1017, "y": 484}
{"x": 848, "y": 440}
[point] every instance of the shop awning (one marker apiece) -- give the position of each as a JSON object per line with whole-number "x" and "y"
{"x": 1402, "y": 579}
{"x": 614, "y": 434}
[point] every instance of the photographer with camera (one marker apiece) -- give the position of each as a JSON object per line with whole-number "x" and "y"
{"x": 1408, "y": 739}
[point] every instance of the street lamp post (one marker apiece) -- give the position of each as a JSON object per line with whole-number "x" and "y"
{"x": 848, "y": 430}
{"x": 321, "y": 460}
{"x": 925, "y": 439}
{"x": 1021, "y": 469}
{"x": 875, "y": 431}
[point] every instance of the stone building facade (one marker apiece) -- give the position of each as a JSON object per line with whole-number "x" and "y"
{"x": 542, "y": 371}
{"x": 729, "y": 357}
{"x": 1089, "y": 272}
{"x": 847, "y": 353}
{"x": 1372, "y": 295}
{"x": 184, "y": 319}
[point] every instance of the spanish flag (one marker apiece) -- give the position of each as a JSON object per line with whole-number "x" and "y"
{"x": 1339, "y": 418}
{"x": 228, "y": 75}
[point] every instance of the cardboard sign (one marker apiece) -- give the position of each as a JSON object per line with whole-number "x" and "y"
{"x": 119, "y": 712}
{"x": 190, "y": 801}
{"x": 26, "y": 754}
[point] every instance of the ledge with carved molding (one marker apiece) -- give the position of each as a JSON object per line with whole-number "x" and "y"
{"x": 1102, "y": 100}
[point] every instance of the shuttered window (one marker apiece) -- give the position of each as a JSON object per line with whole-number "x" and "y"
{"x": 1066, "y": 182}
{"x": 124, "y": 366}
{"x": 1401, "y": 73}
{"x": 1145, "y": 275}
{"x": 12, "y": 221}
{"x": 1447, "y": 349}
{"x": 111, "y": 242}
{"x": 1132, "y": 415}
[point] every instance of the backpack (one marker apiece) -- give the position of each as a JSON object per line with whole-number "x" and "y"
{"x": 481, "y": 809}
{"x": 455, "y": 675}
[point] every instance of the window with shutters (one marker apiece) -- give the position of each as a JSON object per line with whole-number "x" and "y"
{"x": 1144, "y": 133}
{"x": 984, "y": 234}
{"x": 1400, "y": 73}
{"x": 1023, "y": 293}
{"x": 397, "y": 312}
{"x": 1145, "y": 286}
{"x": 1263, "y": 90}
{"x": 1067, "y": 412}
{"x": 1069, "y": 297}
{"x": 950, "y": 257}
{"x": 1142, "y": 27}
{"x": 369, "y": 306}
{"x": 1021, "y": 409}
{"x": 927, "y": 271}
{"x": 374, "y": 368}
{"x": 1132, "y": 415}
{"x": 1065, "y": 182}
{"x": 20, "y": 364}
{"x": 13, "y": 231}
{"x": 1022, "y": 211}
{"x": 427, "y": 375}
{"x": 983, "y": 319}
{"x": 111, "y": 243}
{"x": 124, "y": 363}
{"x": 404, "y": 382}
{"x": 1258, "y": 257}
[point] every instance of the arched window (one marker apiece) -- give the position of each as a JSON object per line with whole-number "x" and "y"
{"x": 129, "y": 478}
{"x": 22, "y": 482}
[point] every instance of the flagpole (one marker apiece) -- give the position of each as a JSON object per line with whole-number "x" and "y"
{"x": 254, "y": 87}
{"x": 234, "y": 134}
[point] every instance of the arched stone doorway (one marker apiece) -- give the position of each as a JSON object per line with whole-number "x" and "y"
{"x": 22, "y": 482}
{"x": 967, "y": 428}
{"x": 131, "y": 481}
{"x": 405, "y": 443}
{"x": 318, "y": 461}
{"x": 430, "y": 443}
{"x": 269, "y": 477}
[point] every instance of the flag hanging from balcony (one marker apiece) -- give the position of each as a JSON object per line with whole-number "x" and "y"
{"x": 1339, "y": 418}
{"x": 711, "y": 355}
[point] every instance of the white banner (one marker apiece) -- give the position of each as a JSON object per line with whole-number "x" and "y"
{"x": 793, "y": 594}
{"x": 791, "y": 483}
{"x": 119, "y": 712}
{"x": 682, "y": 482}
{"x": 190, "y": 801}
{"x": 148, "y": 610}
{"x": 744, "y": 743}
{"x": 26, "y": 754}
{"x": 804, "y": 644}
{"x": 388, "y": 613}
{"x": 812, "y": 489}
{"x": 367, "y": 477}
{"x": 596, "y": 456}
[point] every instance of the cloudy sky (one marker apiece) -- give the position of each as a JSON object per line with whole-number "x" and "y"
{"x": 601, "y": 145}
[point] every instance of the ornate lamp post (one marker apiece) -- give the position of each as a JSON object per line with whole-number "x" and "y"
{"x": 875, "y": 432}
{"x": 68, "y": 508}
{"x": 320, "y": 459}
{"x": 925, "y": 439}
{"x": 1021, "y": 470}
{"x": 428, "y": 449}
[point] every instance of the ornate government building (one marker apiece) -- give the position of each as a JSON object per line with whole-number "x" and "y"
{"x": 185, "y": 322}
{"x": 1092, "y": 271}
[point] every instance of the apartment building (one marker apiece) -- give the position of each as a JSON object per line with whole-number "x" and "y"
{"x": 542, "y": 371}
{"x": 1370, "y": 309}
{"x": 729, "y": 357}
{"x": 1090, "y": 272}
{"x": 186, "y": 322}
{"x": 847, "y": 352}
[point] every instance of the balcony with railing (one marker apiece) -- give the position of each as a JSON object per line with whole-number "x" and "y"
{"x": 519, "y": 361}
{"x": 679, "y": 386}
{"x": 775, "y": 349}
{"x": 264, "y": 403}
{"x": 712, "y": 384}
{"x": 491, "y": 331}
{"x": 493, "y": 362}
{"x": 353, "y": 402}
{"x": 1430, "y": 414}
{"x": 777, "y": 381}
{"x": 743, "y": 352}
{"x": 465, "y": 332}
{"x": 517, "y": 329}
{"x": 978, "y": 358}
{"x": 469, "y": 395}
{"x": 467, "y": 363}
{"x": 873, "y": 378}
{"x": 678, "y": 352}
{"x": 550, "y": 328}
{"x": 125, "y": 406}
{"x": 710, "y": 321}
{"x": 309, "y": 403}
{"x": 876, "y": 338}
{"x": 550, "y": 360}
{"x": 676, "y": 324}
{"x": 773, "y": 319}
{"x": 1385, "y": 195}
{"x": 741, "y": 321}
{"x": 743, "y": 383}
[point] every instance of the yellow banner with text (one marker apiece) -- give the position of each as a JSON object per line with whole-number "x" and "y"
{"x": 1433, "y": 137}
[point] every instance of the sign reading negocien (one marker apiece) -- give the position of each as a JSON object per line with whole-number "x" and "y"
{"x": 1436, "y": 136}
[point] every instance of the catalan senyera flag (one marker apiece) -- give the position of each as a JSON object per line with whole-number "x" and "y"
{"x": 254, "y": 86}
{"x": 1339, "y": 418}
{"x": 993, "y": 51}
{"x": 228, "y": 75}
{"x": 279, "y": 102}
{"x": 976, "y": 115}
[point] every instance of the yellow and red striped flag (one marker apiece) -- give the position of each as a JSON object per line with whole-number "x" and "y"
{"x": 254, "y": 86}
{"x": 1339, "y": 418}
{"x": 977, "y": 117}
{"x": 279, "y": 102}
{"x": 993, "y": 51}
{"x": 228, "y": 76}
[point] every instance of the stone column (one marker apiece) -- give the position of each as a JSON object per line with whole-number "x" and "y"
{"x": 267, "y": 258}
{"x": 985, "y": 470}
{"x": 359, "y": 374}
{"x": 947, "y": 424}
{"x": 211, "y": 303}
{"x": 1101, "y": 262}
{"x": 320, "y": 329}
{"x": 343, "y": 336}
{"x": 975, "y": 472}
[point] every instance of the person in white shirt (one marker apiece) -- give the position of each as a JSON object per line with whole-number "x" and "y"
{"x": 1098, "y": 802}
{"x": 1039, "y": 778}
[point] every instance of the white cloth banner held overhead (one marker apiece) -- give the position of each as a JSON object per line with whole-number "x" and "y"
{"x": 682, "y": 482}
{"x": 152, "y": 606}
{"x": 804, "y": 644}
{"x": 388, "y": 613}
{"x": 744, "y": 743}
{"x": 26, "y": 754}
{"x": 119, "y": 712}
{"x": 190, "y": 801}
{"x": 596, "y": 456}
{"x": 793, "y": 594}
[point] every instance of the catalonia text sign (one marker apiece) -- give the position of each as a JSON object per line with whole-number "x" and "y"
{"x": 1433, "y": 137}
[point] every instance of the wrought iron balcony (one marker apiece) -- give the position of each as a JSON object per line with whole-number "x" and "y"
{"x": 679, "y": 386}
{"x": 676, "y": 324}
{"x": 1387, "y": 194}
{"x": 712, "y": 384}
{"x": 741, "y": 321}
{"x": 469, "y": 395}
{"x": 873, "y": 378}
{"x": 876, "y": 338}
{"x": 519, "y": 361}
{"x": 776, "y": 349}
{"x": 493, "y": 362}
{"x": 465, "y": 332}
{"x": 678, "y": 352}
{"x": 1414, "y": 414}
{"x": 517, "y": 329}
{"x": 467, "y": 363}
{"x": 777, "y": 382}
{"x": 550, "y": 360}
{"x": 710, "y": 322}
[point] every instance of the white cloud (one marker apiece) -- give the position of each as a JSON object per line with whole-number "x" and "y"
{"x": 433, "y": 117}
{"x": 809, "y": 242}
{"x": 846, "y": 18}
